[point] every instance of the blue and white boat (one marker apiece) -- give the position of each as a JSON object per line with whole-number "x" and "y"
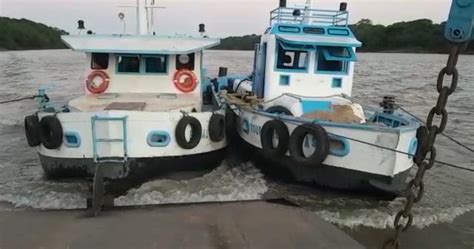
{"x": 147, "y": 108}
{"x": 296, "y": 110}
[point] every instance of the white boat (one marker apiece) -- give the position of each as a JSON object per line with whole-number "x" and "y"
{"x": 147, "y": 108}
{"x": 296, "y": 110}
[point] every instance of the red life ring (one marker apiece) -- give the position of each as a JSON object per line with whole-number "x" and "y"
{"x": 185, "y": 80}
{"x": 92, "y": 85}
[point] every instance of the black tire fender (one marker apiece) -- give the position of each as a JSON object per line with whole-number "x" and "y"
{"x": 279, "y": 110}
{"x": 196, "y": 132}
{"x": 297, "y": 140}
{"x": 32, "y": 130}
{"x": 51, "y": 132}
{"x": 267, "y": 134}
{"x": 217, "y": 127}
{"x": 230, "y": 124}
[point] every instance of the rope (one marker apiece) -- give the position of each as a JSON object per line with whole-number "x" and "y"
{"x": 18, "y": 100}
{"x": 298, "y": 122}
{"x": 443, "y": 134}
{"x": 401, "y": 152}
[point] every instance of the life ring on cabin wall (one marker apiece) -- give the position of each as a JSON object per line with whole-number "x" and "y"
{"x": 97, "y": 87}
{"x": 185, "y": 80}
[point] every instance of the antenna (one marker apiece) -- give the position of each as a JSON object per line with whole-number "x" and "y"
{"x": 145, "y": 16}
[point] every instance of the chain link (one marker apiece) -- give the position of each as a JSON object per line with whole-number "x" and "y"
{"x": 426, "y": 136}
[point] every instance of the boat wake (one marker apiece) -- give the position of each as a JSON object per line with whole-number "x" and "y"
{"x": 244, "y": 182}
{"x": 225, "y": 183}
{"x": 383, "y": 219}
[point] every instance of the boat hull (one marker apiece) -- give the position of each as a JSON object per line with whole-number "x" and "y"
{"x": 359, "y": 167}
{"x": 327, "y": 176}
{"x": 122, "y": 142}
{"x": 134, "y": 168}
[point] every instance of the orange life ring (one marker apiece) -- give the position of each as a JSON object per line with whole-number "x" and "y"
{"x": 95, "y": 88}
{"x": 185, "y": 80}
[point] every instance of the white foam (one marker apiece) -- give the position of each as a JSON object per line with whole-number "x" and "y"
{"x": 45, "y": 200}
{"x": 382, "y": 219}
{"x": 223, "y": 184}
{"x": 10, "y": 122}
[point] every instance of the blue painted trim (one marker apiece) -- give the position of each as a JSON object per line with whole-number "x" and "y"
{"x": 288, "y": 79}
{"x": 246, "y": 126}
{"x": 340, "y": 152}
{"x": 338, "y": 31}
{"x": 158, "y": 144}
{"x": 413, "y": 147}
{"x": 293, "y": 70}
{"x": 296, "y": 29}
{"x": 276, "y": 29}
{"x": 345, "y": 68}
{"x": 352, "y": 56}
{"x": 312, "y": 105}
{"x": 72, "y": 134}
{"x": 336, "y": 83}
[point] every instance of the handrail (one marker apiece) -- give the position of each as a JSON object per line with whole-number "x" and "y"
{"x": 312, "y": 16}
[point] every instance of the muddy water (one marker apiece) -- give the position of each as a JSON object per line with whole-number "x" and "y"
{"x": 445, "y": 214}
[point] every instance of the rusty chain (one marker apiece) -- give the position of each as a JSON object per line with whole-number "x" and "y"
{"x": 426, "y": 136}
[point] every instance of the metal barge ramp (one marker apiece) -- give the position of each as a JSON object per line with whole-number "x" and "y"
{"x": 255, "y": 224}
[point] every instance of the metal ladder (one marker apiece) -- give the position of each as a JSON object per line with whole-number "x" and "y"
{"x": 96, "y": 140}
{"x": 98, "y": 199}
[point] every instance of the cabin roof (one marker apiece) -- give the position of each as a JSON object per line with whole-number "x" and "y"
{"x": 138, "y": 44}
{"x": 321, "y": 40}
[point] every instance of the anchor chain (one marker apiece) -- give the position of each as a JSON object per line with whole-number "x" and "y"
{"x": 426, "y": 136}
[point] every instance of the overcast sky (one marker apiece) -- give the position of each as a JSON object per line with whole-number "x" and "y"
{"x": 222, "y": 17}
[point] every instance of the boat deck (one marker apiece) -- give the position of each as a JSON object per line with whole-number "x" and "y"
{"x": 136, "y": 102}
{"x": 214, "y": 225}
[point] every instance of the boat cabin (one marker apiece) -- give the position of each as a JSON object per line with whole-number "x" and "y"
{"x": 127, "y": 67}
{"x": 306, "y": 52}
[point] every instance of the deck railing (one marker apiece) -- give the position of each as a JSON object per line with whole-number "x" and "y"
{"x": 310, "y": 16}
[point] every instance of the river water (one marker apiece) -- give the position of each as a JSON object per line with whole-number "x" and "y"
{"x": 445, "y": 215}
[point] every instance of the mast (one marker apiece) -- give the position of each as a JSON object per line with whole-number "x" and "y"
{"x": 142, "y": 22}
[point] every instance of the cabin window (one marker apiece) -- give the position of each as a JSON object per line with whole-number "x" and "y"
{"x": 100, "y": 61}
{"x": 156, "y": 64}
{"x": 185, "y": 61}
{"x": 128, "y": 64}
{"x": 291, "y": 59}
{"x": 334, "y": 59}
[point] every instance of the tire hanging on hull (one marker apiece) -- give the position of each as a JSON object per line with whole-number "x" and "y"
{"x": 217, "y": 127}
{"x": 297, "y": 141}
{"x": 32, "y": 130}
{"x": 230, "y": 127}
{"x": 51, "y": 132}
{"x": 196, "y": 132}
{"x": 269, "y": 129}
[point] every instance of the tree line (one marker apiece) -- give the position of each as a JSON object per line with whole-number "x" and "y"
{"x": 23, "y": 34}
{"x": 418, "y": 36}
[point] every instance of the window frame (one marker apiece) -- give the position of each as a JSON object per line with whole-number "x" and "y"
{"x": 144, "y": 57}
{"x": 142, "y": 66}
{"x": 346, "y": 62}
{"x": 295, "y": 70}
{"x": 128, "y": 55}
{"x": 92, "y": 61}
